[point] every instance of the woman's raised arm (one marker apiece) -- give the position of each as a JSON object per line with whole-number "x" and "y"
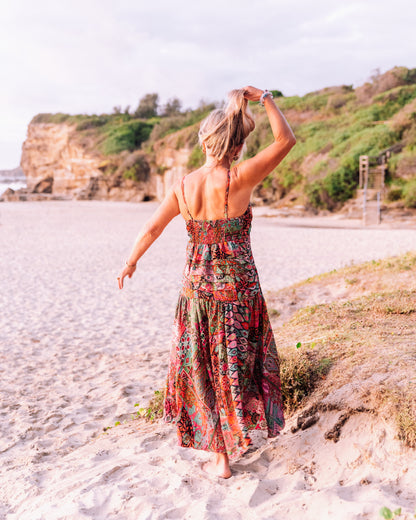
{"x": 153, "y": 228}
{"x": 254, "y": 170}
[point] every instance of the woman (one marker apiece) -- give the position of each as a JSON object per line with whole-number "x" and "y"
{"x": 223, "y": 377}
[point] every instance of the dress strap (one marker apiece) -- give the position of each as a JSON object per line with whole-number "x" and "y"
{"x": 227, "y": 191}
{"x": 184, "y": 199}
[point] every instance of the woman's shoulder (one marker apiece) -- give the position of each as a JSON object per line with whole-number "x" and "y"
{"x": 187, "y": 178}
{"x": 190, "y": 176}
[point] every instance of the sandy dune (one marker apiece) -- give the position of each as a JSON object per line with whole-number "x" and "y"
{"x": 76, "y": 354}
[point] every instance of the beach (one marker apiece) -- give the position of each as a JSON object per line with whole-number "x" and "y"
{"x": 77, "y": 354}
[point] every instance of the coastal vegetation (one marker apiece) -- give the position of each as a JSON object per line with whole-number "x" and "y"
{"x": 333, "y": 126}
{"x": 354, "y": 352}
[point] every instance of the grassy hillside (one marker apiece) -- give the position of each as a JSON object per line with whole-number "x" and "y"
{"x": 333, "y": 126}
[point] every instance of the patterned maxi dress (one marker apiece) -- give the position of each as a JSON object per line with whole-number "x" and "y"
{"x": 223, "y": 377}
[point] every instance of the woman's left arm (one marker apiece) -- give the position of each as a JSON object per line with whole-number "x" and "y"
{"x": 150, "y": 232}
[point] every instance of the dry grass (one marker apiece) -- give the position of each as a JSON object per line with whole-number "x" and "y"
{"x": 405, "y": 412}
{"x": 301, "y": 370}
{"x": 358, "y": 349}
{"x": 344, "y": 284}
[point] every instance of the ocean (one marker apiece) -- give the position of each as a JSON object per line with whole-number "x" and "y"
{"x": 14, "y": 185}
{"x": 14, "y": 179}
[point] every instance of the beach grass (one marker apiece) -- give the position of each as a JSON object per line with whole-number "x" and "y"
{"x": 362, "y": 347}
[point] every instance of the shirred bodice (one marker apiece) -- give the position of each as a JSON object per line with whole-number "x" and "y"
{"x": 223, "y": 229}
{"x": 220, "y": 263}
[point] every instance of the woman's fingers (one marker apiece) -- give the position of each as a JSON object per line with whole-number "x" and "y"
{"x": 252, "y": 93}
{"x": 127, "y": 271}
{"x": 120, "y": 279}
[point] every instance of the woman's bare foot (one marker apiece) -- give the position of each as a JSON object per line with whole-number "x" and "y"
{"x": 220, "y": 466}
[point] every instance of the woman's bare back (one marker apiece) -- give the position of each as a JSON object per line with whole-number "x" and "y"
{"x": 205, "y": 194}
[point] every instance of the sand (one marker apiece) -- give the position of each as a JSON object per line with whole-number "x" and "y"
{"x": 76, "y": 355}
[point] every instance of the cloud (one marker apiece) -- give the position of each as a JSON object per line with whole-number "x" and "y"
{"x": 87, "y": 56}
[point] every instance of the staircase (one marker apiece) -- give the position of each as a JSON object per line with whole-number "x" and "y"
{"x": 371, "y": 186}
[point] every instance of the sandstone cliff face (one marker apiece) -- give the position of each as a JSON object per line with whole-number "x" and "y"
{"x": 171, "y": 163}
{"x": 50, "y": 155}
{"x": 57, "y": 163}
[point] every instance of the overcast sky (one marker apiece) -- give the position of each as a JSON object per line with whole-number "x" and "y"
{"x": 86, "y": 56}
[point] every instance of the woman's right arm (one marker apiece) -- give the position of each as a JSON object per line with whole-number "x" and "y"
{"x": 254, "y": 170}
{"x": 167, "y": 210}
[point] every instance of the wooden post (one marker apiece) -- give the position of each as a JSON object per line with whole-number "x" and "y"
{"x": 364, "y": 163}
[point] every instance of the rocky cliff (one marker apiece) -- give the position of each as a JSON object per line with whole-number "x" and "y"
{"x": 53, "y": 162}
{"x": 58, "y": 164}
{"x": 171, "y": 161}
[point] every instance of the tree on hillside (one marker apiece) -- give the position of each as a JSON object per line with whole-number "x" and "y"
{"x": 206, "y": 106}
{"x": 148, "y": 106}
{"x": 172, "y": 108}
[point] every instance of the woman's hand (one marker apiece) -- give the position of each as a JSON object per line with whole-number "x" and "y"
{"x": 127, "y": 271}
{"x": 252, "y": 93}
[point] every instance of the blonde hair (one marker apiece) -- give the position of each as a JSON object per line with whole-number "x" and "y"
{"x": 226, "y": 129}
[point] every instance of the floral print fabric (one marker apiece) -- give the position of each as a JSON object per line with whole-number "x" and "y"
{"x": 223, "y": 378}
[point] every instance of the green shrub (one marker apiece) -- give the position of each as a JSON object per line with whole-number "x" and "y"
{"x": 320, "y": 169}
{"x": 93, "y": 122}
{"x": 312, "y": 101}
{"x": 50, "y": 118}
{"x": 289, "y": 177}
{"x": 337, "y": 101}
{"x": 395, "y": 192}
{"x": 252, "y": 145}
{"x": 315, "y": 194}
{"x": 196, "y": 158}
{"x": 397, "y": 97}
{"x": 135, "y": 167}
{"x": 260, "y": 137}
{"x": 267, "y": 182}
{"x": 169, "y": 124}
{"x": 356, "y": 140}
{"x": 341, "y": 184}
{"x": 409, "y": 75}
{"x": 393, "y": 162}
{"x": 336, "y": 187}
{"x": 409, "y": 193}
{"x": 166, "y": 126}
{"x": 127, "y": 136}
{"x": 287, "y": 103}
